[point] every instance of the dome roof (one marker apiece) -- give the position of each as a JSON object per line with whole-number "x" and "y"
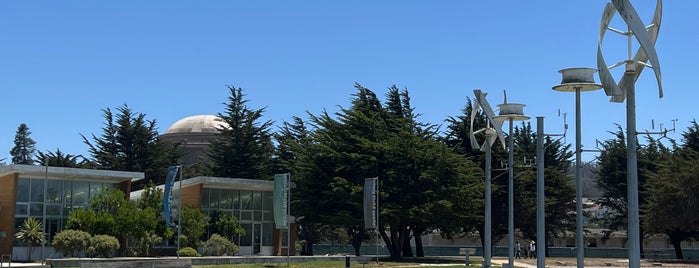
{"x": 197, "y": 124}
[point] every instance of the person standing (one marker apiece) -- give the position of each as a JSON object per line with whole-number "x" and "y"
{"x": 532, "y": 250}
{"x": 518, "y": 252}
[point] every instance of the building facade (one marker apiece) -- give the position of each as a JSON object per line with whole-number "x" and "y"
{"x": 48, "y": 194}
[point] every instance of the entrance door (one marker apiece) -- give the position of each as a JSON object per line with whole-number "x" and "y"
{"x": 256, "y": 237}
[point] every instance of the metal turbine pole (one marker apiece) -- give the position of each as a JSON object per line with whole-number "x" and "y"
{"x": 578, "y": 80}
{"x": 540, "y": 216}
{"x": 632, "y": 176}
{"x": 487, "y": 251}
{"x": 579, "y": 235}
{"x": 510, "y": 200}
{"x": 511, "y": 112}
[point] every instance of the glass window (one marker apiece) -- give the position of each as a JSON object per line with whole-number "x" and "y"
{"x": 54, "y": 191}
{"x": 226, "y": 199}
{"x": 81, "y": 189}
{"x": 37, "y": 190}
{"x": 257, "y": 215}
{"x": 205, "y": 198}
{"x": 236, "y": 199}
{"x": 268, "y": 200}
{"x": 95, "y": 188}
{"x": 23, "y": 190}
{"x": 215, "y": 198}
{"x": 36, "y": 209}
{"x": 246, "y": 239}
{"x": 53, "y": 210}
{"x": 246, "y": 215}
{"x": 246, "y": 200}
{"x": 22, "y": 210}
{"x": 257, "y": 200}
{"x": 67, "y": 192}
{"x": 267, "y": 216}
{"x": 268, "y": 234}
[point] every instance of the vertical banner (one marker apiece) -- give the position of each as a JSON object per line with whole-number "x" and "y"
{"x": 280, "y": 200}
{"x": 370, "y": 203}
{"x": 167, "y": 198}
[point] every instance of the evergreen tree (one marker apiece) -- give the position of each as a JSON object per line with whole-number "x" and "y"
{"x": 559, "y": 192}
{"x": 130, "y": 142}
{"x": 59, "y": 159}
{"x": 672, "y": 206}
{"x": 23, "y": 151}
{"x": 243, "y": 149}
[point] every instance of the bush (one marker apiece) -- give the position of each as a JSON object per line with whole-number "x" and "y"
{"x": 103, "y": 245}
{"x": 71, "y": 242}
{"x": 188, "y": 252}
{"x": 219, "y": 246}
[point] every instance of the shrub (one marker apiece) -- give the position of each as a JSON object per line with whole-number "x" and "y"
{"x": 103, "y": 245}
{"x": 71, "y": 242}
{"x": 188, "y": 252}
{"x": 219, "y": 246}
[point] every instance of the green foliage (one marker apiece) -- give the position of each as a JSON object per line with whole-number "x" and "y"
{"x": 31, "y": 233}
{"x": 194, "y": 224}
{"x": 244, "y": 149}
{"x": 226, "y": 225}
{"x": 103, "y": 246}
{"x": 109, "y": 213}
{"x": 188, "y": 252}
{"x": 672, "y": 206}
{"x": 59, "y": 159}
{"x": 219, "y": 246}
{"x": 130, "y": 142}
{"x": 71, "y": 242}
{"x": 23, "y": 150}
{"x": 147, "y": 242}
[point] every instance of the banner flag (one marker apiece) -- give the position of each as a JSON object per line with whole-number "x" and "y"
{"x": 280, "y": 200}
{"x": 167, "y": 198}
{"x": 370, "y": 203}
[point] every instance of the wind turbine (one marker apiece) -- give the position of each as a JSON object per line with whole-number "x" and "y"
{"x": 491, "y": 135}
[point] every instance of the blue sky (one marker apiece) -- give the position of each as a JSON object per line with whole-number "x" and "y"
{"x": 62, "y": 62}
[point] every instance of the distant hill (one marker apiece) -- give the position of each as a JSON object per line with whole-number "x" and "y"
{"x": 589, "y": 176}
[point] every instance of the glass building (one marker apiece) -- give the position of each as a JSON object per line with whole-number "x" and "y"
{"x": 250, "y": 201}
{"x": 48, "y": 194}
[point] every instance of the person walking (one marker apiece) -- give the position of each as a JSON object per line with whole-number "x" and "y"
{"x": 532, "y": 250}
{"x": 518, "y": 252}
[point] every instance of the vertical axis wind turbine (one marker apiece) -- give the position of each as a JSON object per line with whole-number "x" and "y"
{"x": 511, "y": 112}
{"x": 645, "y": 56}
{"x": 491, "y": 134}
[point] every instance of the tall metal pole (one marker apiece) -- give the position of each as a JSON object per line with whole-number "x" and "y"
{"x": 510, "y": 200}
{"x": 487, "y": 251}
{"x": 288, "y": 216}
{"x": 578, "y": 80}
{"x": 540, "y": 215}
{"x": 632, "y": 176}
{"x": 43, "y": 215}
{"x": 179, "y": 215}
{"x": 579, "y": 236}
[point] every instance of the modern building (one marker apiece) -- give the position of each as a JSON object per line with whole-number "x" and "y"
{"x": 250, "y": 201}
{"x": 49, "y": 194}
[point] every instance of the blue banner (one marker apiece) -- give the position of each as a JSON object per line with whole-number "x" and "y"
{"x": 167, "y": 198}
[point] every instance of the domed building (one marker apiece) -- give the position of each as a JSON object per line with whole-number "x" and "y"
{"x": 195, "y": 133}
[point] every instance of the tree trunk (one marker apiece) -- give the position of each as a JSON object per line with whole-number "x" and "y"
{"x": 407, "y": 250}
{"x": 677, "y": 244}
{"x": 308, "y": 234}
{"x": 357, "y": 238}
{"x": 419, "y": 249}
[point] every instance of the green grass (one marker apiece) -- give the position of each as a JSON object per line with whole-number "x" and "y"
{"x": 417, "y": 262}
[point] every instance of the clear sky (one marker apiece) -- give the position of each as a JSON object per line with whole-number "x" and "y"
{"x": 62, "y": 62}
